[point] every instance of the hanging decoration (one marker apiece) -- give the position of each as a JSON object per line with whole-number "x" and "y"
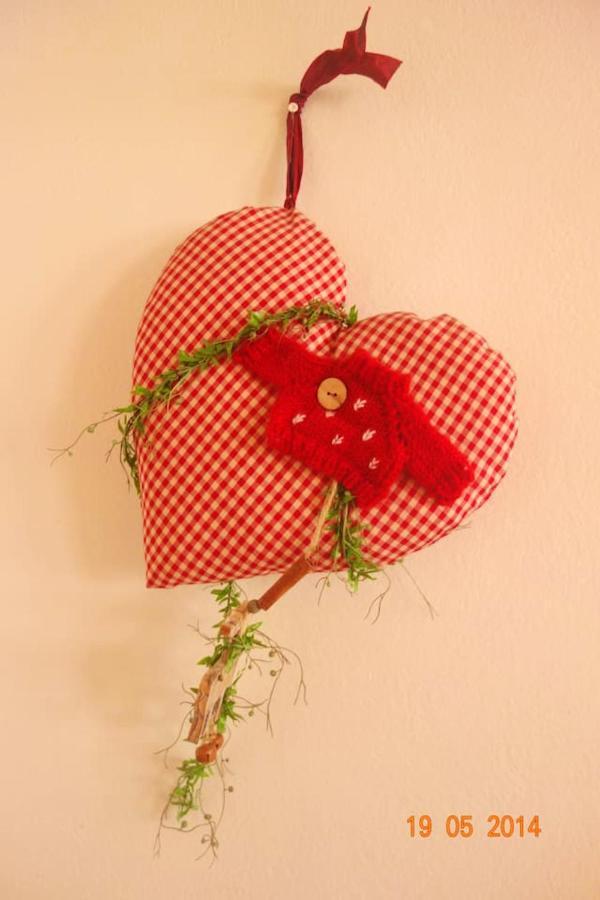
{"x": 272, "y": 430}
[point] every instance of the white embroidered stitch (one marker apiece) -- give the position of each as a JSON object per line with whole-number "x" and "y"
{"x": 374, "y": 463}
{"x": 330, "y": 413}
{"x": 368, "y": 434}
{"x": 358, "y": 404}
{"x": 299, "y": 417}
{"x": 338, "y": 439}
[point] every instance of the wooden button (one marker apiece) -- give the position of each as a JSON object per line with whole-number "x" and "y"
{"x": 332, "y": 393}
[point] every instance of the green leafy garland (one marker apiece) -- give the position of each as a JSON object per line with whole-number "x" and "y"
{"x": 132, "y": 419}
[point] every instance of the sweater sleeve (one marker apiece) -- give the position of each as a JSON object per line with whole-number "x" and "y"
{"x": 433, "y": 460}
{"x": 272, "y": 357}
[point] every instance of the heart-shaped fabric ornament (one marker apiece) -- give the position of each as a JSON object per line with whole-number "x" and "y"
{"x": 218, "y": 503}
{"x": 272, "y": 430}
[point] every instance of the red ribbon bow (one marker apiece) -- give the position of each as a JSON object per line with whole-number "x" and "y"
{"x": 351, "y": 59}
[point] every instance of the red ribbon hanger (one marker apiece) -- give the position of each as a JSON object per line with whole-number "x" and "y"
{"x": 351, "y": 59}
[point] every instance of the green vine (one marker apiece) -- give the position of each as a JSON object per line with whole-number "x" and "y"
{"x": 228, "y": 713}
{"x": 131, "y": 419}
{"x": 234, "y": 647}
{"x": 349, "y": 534}
{"x": 227, "y": 598}
{"x": 254, "y": 650}
{"x": 183, "y": 795}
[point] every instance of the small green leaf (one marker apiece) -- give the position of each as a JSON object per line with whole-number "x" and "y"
{"x": 256, "y": 319}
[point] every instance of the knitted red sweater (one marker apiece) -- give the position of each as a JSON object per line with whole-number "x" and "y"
{"x": 361, "y": 427}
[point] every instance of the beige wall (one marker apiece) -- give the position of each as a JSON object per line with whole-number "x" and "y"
{"x": 470, "y": 186}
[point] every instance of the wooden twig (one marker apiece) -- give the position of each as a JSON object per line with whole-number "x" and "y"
{"x": 214, "y": 683}
{"x": 292, "y": 575}
{"x": 301, "y": 567}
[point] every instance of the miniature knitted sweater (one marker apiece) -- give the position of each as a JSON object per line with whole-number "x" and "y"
{"x": 353, "y": 419}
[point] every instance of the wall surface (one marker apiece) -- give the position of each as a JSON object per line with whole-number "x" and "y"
{"x": 469, "y": 186}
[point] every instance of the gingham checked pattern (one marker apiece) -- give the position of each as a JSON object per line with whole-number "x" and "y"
{"x": 469, "y": 392}
{"x": 217, "y": 504}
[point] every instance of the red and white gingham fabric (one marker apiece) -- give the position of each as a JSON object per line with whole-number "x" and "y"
{"x": 217, "y": 503}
